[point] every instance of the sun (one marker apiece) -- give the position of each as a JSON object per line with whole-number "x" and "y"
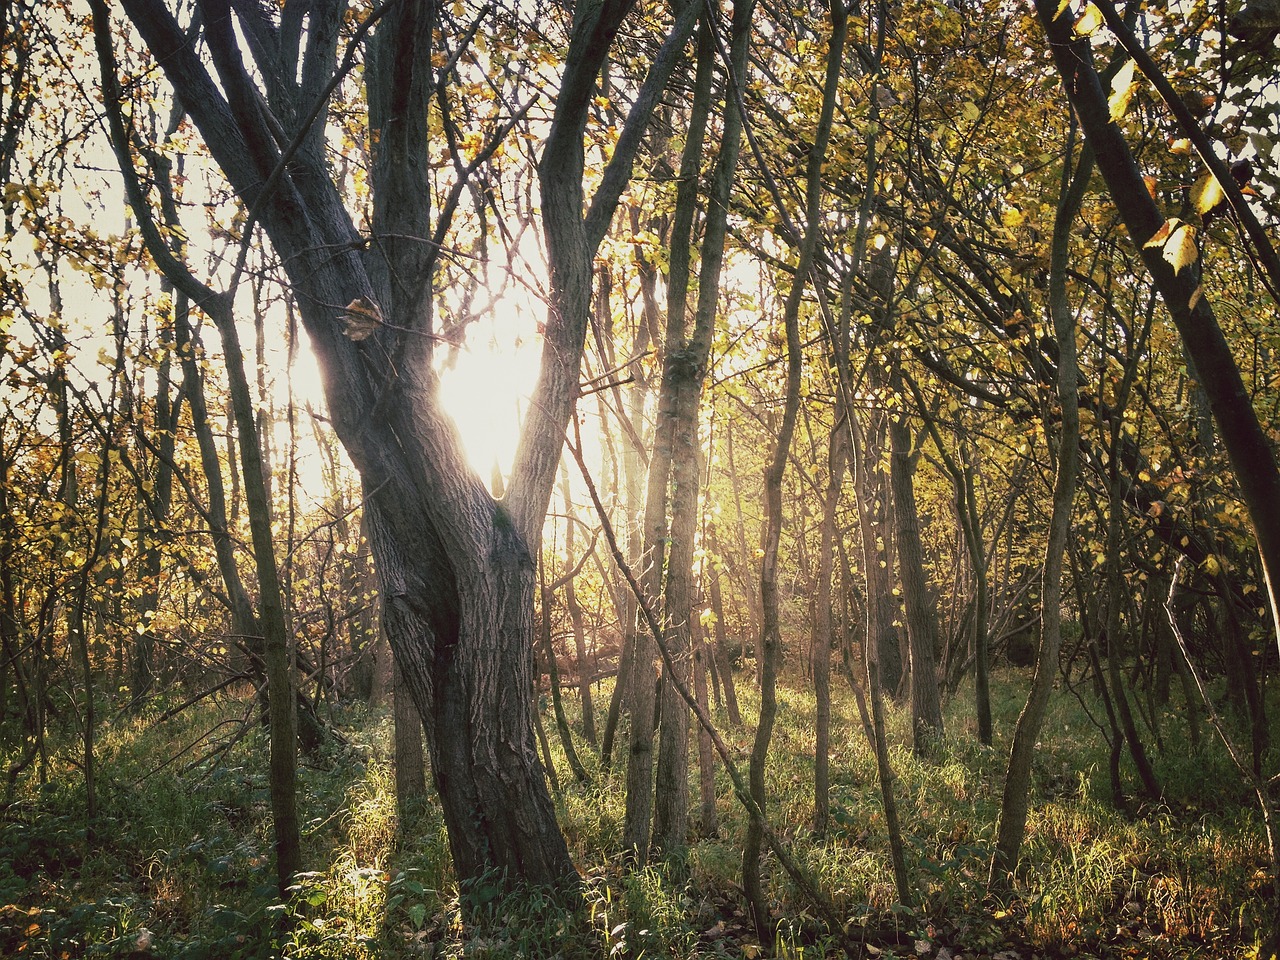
{"x": 486, "y": 384}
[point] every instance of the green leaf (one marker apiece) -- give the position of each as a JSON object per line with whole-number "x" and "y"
{"x": 417, "y": 914}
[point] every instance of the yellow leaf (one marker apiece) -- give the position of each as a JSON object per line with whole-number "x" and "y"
{"x": 1180, "y": 250}
{"x": 1089, "y": 21}
{"x": 1207, "y": 193}
{"x": 1123, "y": 87}
{"x": 1211, "y": 565}
{"x": 970, "y": 111}
{"x": 1160, "y": 236}
{"x": 1012, "y": 217}
{"x": 1196, "y": 294}
{"x": 1063, "y": 4}
{"x": 1181, "y": 147}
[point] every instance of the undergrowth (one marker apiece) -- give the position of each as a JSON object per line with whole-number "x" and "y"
{"x": 178, "y": 862}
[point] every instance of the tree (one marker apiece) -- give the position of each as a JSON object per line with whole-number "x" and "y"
{"x": 455, "y": 567}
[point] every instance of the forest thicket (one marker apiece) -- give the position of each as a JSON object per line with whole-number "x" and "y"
{"x": 615, "y": 478}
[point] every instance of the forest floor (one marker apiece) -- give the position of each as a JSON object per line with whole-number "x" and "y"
{"x": 179, "y": 864}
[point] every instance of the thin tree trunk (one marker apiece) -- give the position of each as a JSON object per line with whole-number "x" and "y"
{"x": 1115, "y": 645}
{"x": 576, "y": 621}
{"x": 837, "y": 450}
{"x": 708, "y": 826}
{"x": 553, "y": 678}
{"x": 1015, "y": 801}
{"x": 633, "y": 474}
{"x": 276, "y": 647}
{"x": 724, "y": 660}
{"x": 771, "y": 638}
{"x": 871, "y": 653}
{"x": 926, "y": 701}
{"x": 687, "y": 370}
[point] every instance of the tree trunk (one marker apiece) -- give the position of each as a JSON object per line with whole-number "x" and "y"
{"x": 926, "y": 701}
{"x": 456, "y": 568}
{"x": 575, "y": 619}
{"x": 706, "y": 751}
{"x": 275, "y": 640}
{"x": 1014, "y": 804}
{"x": 724, "y": 660}
{"x": 771, "y": 638}
{"x": 686, "y": 369}
{"x": 871, "y": 652}
{"x": 411, "y": 775}
{"x": 634, "y": 482}
{"x": 547, "y": 606}
{"x": 837, "y": 454}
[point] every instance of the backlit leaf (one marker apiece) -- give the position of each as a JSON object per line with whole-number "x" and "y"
{"x": 1123, "y": 87}
{"x": 1207, "y": 193}
{"x": 1160, "y": 236}
{"x": 1088, "y": 22}
{"x": 1180, "y": 249}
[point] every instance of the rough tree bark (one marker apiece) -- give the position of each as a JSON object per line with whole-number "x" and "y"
{"x": 455, "y": 567}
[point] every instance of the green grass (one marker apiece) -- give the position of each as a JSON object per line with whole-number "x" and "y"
{"x": 181, "y": 856}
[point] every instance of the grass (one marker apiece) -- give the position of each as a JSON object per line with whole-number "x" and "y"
{"x": 180, "y": 862}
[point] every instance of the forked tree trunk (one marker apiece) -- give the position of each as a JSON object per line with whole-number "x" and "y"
{"x": 455, "y": 567}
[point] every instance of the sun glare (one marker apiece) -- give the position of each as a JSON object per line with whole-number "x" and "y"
{"x": 486, "y": 384}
